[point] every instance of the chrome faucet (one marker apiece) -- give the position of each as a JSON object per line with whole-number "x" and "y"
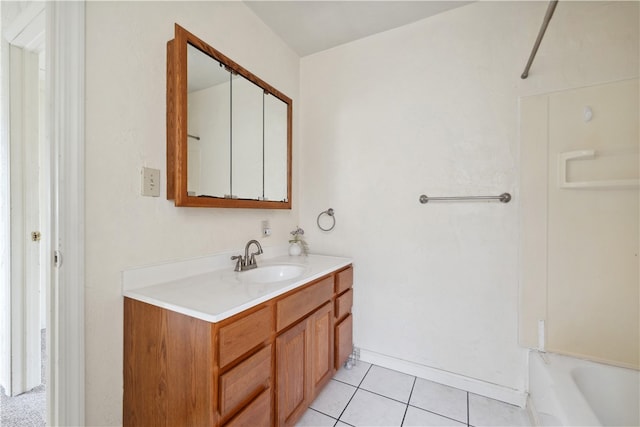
{"x": 251, "y": 262}
{"x": 247, "y": 262}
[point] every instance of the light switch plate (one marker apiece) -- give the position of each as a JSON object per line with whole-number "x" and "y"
{"x": 150, "y": 182}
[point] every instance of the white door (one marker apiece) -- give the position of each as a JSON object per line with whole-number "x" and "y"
{"x": 24, "y": 219}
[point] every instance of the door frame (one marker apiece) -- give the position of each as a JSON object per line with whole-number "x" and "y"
{"x": 66, "y": 76}
{"x": 65, "y": 43}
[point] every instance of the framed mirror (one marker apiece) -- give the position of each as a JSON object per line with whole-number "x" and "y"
{"x": 228, "y": 131}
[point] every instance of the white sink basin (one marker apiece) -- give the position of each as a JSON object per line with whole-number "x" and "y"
{"x": 271, "y": 273}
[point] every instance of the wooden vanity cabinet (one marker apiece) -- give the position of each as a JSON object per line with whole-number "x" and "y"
{"x": 261, "y": 367}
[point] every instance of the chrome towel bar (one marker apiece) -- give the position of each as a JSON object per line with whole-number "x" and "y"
{"x": 504, "y": 198}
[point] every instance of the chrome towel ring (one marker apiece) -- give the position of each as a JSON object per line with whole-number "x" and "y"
{"x": 328, "y": 212}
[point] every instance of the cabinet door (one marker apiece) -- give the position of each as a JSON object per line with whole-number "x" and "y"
{"x": 344, "y": 340}
{"x": 293, "y": 386}
{"x": 321, "y": 347}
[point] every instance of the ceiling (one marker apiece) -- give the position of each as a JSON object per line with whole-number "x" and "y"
{"x": 309, "y": 26}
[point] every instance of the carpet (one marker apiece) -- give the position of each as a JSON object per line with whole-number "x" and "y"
{"x": 27, "y": 409}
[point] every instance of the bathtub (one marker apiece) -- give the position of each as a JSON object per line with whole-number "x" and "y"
{"x": 564, "y": 391}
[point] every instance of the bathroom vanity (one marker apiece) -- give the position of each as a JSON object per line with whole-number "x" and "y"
{"x": 256, "y": 355}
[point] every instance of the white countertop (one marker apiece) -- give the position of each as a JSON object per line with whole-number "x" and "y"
{"x": 218, "y": 294}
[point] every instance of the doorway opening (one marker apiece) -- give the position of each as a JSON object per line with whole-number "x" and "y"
{"x": 25, "y": 216}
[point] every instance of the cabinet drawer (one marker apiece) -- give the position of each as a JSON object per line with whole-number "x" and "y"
{"x": 344, "y": 340}
{"x": 344, "y": 280}
{"x": 257, "y": 413}
{"x": 245, "y": 380}
{"x": 303, "y": 302}
{"x": 344, "y": 303}
{"x": 244, "y": 334}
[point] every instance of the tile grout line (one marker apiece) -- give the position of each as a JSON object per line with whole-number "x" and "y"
{"x": 309, "y": 408}
{"x": 406, "y": 408}
{"x": 364, "y": 376}
{"x": 407, "y": 404}
{"x": 353, "y": 395}
{"x": 386, "y": 397}
{"x": 382, "y": 395}
{"x": 439, "y": 414}
{"x": 468, "y": 409}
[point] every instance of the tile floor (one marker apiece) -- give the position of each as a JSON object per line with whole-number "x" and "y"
{"x": 368, "y": 395}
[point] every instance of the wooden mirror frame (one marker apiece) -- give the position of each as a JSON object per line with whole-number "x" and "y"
{"x": 177, "y": 125}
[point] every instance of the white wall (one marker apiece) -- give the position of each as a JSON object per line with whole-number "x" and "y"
{"x": 432, "y": 108}
{"x": 125, "y": 130}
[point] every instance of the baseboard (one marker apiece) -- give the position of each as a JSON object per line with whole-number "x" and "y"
{"x": 483, "y": 388}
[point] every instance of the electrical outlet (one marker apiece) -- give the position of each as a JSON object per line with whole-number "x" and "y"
{"x": 266, "y": 228}
{"x": 150, "y": 182}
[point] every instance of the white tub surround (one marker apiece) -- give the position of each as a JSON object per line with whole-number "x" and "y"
{"x": 208, "y": 289}
{"x": 565, "y": 391}
{"x": 591, "y": 262}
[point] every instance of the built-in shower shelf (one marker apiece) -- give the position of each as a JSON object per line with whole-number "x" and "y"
{"x": 563, "y": 181}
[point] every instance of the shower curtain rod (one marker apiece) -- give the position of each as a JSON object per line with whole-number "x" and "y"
{"x": 547, "y": 17}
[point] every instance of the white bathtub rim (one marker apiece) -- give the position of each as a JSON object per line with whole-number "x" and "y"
{"x": 553, "y": 391}
{"x": 538, "y": 418}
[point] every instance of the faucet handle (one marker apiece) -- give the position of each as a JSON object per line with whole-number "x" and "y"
{"x": 238, "y": 259}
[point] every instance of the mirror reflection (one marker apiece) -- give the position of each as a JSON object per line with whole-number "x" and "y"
{"x": 237, "y": 134}
{"x": 208, "y": 131}
{"x": 275, "y": 151}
